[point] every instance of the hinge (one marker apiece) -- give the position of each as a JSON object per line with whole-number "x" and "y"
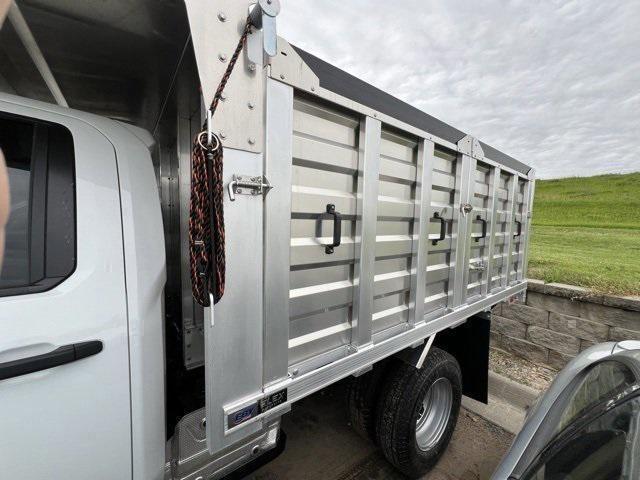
{"x": 263, "y": 17}
{"x": 248, "y": 185}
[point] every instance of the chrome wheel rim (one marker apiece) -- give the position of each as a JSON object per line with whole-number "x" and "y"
{"x": 434, "y": 414}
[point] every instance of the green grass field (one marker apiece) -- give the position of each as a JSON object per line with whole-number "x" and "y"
{"x": 586, "y": 232}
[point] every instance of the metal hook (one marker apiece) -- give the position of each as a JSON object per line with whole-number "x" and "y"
{"x": 209, "y": 127}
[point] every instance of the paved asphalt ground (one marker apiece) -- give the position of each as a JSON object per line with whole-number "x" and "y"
{"x": 322, "y": 446}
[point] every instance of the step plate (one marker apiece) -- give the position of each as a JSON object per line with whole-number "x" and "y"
{"x": 190, "y": 456}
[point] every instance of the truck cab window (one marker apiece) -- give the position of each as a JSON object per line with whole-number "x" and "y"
{"x": 17, "y": 141}
{"x": 40, "y": 233}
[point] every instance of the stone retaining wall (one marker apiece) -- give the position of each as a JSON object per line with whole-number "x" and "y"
{"x": 558, "y": 321}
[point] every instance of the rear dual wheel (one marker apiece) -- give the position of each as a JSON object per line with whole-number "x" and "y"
{"x": 362, "y": 399}
{"x": 418, "y": 411}
{"x": 412, "y": 413}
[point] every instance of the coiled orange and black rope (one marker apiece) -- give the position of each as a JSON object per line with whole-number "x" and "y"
{"x": 206, "y": 213}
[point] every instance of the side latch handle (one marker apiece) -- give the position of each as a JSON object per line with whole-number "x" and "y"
{"x": 484, "y": 228}
{"x": 337, "y": 229}
{"x": 443, "y": 228}
{"x": 519, "y": 231}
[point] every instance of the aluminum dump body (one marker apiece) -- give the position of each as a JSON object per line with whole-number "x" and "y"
{"x": 433, "y": 224}
{"x": 433, "y": 228}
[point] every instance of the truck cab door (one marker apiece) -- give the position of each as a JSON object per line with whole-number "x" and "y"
{"x": 64, "y": 369}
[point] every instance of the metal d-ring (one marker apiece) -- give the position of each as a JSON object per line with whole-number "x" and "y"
{"x": 214, "y": 137}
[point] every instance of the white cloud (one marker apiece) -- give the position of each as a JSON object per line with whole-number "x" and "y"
{"x": 555, "y": 84}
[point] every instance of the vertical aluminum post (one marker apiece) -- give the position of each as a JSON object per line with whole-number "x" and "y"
{"x": 421, "y": 244}
{"x": 527, "y": 228}
{"x": 464, "y": 191}
{"x": 366, "y": 221}
{"x": 277, "y": 228}
{"x": 234, "y": 338}
{"x": 524, "y": 234}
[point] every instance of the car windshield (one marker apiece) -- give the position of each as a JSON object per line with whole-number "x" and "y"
{"x": 605, "y": 380}
{"x": 605, "y": 448}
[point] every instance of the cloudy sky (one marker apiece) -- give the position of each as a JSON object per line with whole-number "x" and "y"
{"x": 553, "y": 83}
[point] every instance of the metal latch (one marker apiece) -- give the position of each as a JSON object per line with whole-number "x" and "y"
{"x": 466, "y": 208}
{"x": 248, "y": 185}
{"x": 478, "y": 266}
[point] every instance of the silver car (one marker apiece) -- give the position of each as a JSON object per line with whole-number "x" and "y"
{"x": 587, "y": 425}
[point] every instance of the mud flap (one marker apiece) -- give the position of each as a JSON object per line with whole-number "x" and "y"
{"x": 469, "y": 344}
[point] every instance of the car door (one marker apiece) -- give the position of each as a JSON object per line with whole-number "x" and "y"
{"x": 64, "y": 370}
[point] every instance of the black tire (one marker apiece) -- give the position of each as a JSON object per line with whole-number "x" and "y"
{"x": 400, "y": 405}
{"x": 362, "y": 400}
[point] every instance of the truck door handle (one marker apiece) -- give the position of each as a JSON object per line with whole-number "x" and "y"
{"x": 443, "y": 228}
{"x": 59, "y": 356}
{"x": 484, "y": 228}
{"x": 337, "y": 229}
{"x": 519, "y": 231}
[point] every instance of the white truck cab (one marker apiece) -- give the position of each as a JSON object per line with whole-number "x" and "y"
{"x": 81, "y": 291}
{"x": 365, "y": 239}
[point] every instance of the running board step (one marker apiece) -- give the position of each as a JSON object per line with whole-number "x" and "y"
{"x": 188, "y": 457}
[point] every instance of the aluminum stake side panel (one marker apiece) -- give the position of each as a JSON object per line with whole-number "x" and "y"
{"x": 480, "y": 235}
{"x": 394, "y": 259}
{"x": 441, "y": 252}
{"x": 390, "y": 283}
{"x": 502, "y": 232}
{"x": 492, "y": 212}
{"x": 325, "y": 171}
{"x": 421, "y": 244}
{"x": 510, "y": 236}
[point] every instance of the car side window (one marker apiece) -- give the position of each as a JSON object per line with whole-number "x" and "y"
{"x": 604, "y": 449}
{"x": 40, "y": 236}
